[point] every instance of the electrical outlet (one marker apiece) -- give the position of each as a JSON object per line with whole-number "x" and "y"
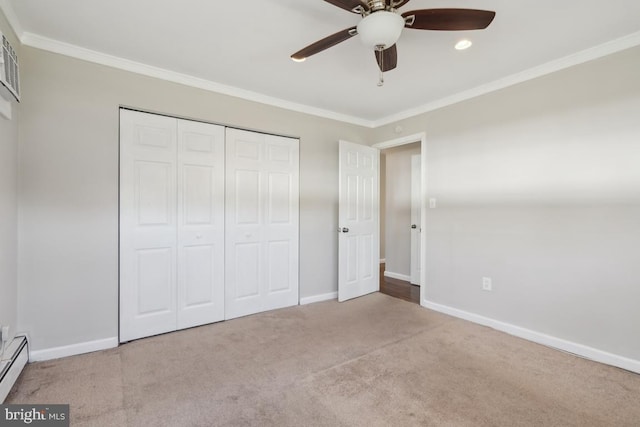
{"x": 5, "y": 333}
{"x": 486, "y": 284}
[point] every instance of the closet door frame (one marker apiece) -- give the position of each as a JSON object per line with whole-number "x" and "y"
{"x": 177, "y": 310}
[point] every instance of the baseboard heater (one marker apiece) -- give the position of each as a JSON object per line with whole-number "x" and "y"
{"x": 15, "y": 357}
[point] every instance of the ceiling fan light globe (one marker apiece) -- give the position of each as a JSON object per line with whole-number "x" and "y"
{"x": 380, "y": 29}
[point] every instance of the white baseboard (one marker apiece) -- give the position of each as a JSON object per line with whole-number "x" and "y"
{"x": 72, "y": 350}
{"x": 397, "y": 276}
{"x": 540, "y": 338}
{"x": 318, "y": 298}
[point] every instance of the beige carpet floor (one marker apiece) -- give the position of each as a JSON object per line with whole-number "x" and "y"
{"x": 373, "y": 361}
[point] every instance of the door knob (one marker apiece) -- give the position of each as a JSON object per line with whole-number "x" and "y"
{"x": 414, "y": 226}
{"x": 345, "y": 230}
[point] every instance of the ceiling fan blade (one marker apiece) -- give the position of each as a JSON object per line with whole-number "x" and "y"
{"x": 355, "y": 6}
{"x": 325, "y": 43}
{"x": 388, "y": 58}
{"x": 448, "y": 19}
{"x": 396, "y": 4}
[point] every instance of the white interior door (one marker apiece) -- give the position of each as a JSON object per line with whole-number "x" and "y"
{"x": 358, "y": 221}
{"x": 261, "y": 222}
{"x": 148, "y": 232}
{"x": 416, "y": 205}
{"x": 200, "y": 223}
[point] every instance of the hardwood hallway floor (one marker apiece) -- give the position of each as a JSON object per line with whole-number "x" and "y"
{"x": 398, "y": 288}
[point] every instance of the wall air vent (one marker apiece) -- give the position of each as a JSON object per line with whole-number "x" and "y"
{"x": 9, "y": 76}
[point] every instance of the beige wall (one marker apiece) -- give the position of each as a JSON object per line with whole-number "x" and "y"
{"x": 383, "y": 205}
{"x": 538, "y": 187}
{"x": 69, "y": 188}
{"x": 9, "y": 206}
{"x": 398, "y": 208}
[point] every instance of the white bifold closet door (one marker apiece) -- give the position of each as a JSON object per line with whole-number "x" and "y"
{"x": 171, "y": 224}
{"x": 261, "y": 222}
{"x": 200, "y": 223}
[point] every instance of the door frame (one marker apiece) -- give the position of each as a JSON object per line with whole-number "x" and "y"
{"x": 415, "y": 254}
{"x": 410, "y": 139}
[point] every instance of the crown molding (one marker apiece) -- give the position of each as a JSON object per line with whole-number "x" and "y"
{"x": 581, "y": 57}
{"x": 67, "y": 49}
{"x": 409, "y": 139}
{"x": 12, "y": 18}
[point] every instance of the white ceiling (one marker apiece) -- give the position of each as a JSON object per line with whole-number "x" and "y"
{"x": 246, "y": 44}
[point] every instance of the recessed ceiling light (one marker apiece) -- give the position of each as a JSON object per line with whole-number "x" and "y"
{"x": 463, "y": 44}
{"x": 294, "y": 59}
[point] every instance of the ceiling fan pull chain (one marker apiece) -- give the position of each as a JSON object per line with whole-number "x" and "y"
{"x": 380, "y": 49}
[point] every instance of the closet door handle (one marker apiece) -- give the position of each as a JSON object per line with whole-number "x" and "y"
{"x": 345, "y": 230}
{"x": 414, "y": 226}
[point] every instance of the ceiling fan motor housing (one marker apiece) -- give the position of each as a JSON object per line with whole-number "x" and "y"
{"x": 380, "y": 29}
{"x": 375, "y": 5}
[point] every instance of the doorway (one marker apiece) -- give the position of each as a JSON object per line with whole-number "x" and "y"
{"x": 401, "y": 217}
{"x": 398, "y": 288}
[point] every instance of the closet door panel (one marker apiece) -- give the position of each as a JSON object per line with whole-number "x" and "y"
{"x": 246, "y": 271}
{"x": 281, "y": 221}
{"x": 154, "y": 277}
{"x": 262, "y": 222}
{"x": 200, "y": 223}
{"x": 147, "y": 225}
{"x": 243, "y": 205}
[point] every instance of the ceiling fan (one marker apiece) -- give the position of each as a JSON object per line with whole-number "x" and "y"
{"x": 382, "y": 24}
